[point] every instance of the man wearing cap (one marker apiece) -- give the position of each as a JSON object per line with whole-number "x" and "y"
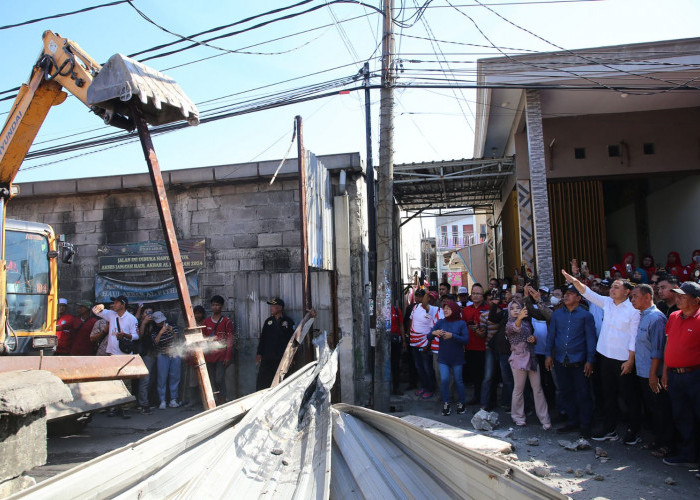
{"x": 64, "y": 328}
{"x": 169, "y": 364}
{"x": 276, "y": 331}
{"x": 570, "y": 350}
{"x": 122, "y": 324}
{"x": 462, "y": 296}
{"x": 681, "y": 374}
{"x": 82, "y": 327}
{"x": 219, "y": 330}
{"x": 615, "y": 360}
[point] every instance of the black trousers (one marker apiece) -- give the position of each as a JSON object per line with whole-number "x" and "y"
{"x": 396, "y": 350}
{"x": 266, "y": 373}
{"x": 659, "y": 408}
{"x": 474, "y": 371}
{"x": 613, "y": 386}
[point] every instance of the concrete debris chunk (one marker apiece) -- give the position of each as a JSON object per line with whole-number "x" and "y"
{"x": 484, "y": 420}
{"x": 669, "y": 480}
{"x": 579, "y": 444}
{"x": 540, "y": 471}
{"x": 598, "y": 477}
{"x": 578, "y": 473}
{"x": 533, "y": 441}
{"x": 604, "y": 460}
{"x": 600, "y": 452}
{"x": 589, "y": 470}
{"x": 505, "y": 434}
{"x": 569, "y": 470}
{"x": 276, "y": 451}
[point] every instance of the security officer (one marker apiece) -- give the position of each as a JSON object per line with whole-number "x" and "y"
{"x": 275, "y": 335}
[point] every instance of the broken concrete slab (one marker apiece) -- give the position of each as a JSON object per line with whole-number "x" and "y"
{"x": 484, "y": 420}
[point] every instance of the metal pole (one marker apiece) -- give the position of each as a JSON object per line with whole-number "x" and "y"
{"x": 174, "y": 253}
{"x": 305, "y": 281}
{"x": 371, "y": 230}
{"x": 385, "y": 219}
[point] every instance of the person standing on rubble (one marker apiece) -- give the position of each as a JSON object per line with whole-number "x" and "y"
{"x": 277, "y": 329}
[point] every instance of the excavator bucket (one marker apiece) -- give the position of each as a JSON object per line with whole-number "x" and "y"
{"x": 161, "y": 98}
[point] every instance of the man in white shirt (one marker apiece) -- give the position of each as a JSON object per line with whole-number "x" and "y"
{"x": 615, "y": 358}
{"x": 122, "y": 324}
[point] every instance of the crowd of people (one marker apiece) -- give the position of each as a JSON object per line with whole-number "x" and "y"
{"x": 119, "y": 328}
{"x": 601, "y": 355}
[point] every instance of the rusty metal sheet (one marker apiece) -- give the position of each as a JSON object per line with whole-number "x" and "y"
{"x": 79, "y": 368}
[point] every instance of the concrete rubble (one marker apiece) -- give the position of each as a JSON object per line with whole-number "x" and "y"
{"x": 484, "y": 420}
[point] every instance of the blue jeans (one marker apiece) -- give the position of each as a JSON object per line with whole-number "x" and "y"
{"x": 488, "y": 387}
{"x": 168, "y": 371}
{"x": 145, "y": 382}
{"x": 684, "y": 391}
{"x": 424, "y": 366}
{"x": 445, "y": 382}
{"x": 575, "y": 390}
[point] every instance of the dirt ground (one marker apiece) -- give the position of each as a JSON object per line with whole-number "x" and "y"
{"x": 629, "y": 473}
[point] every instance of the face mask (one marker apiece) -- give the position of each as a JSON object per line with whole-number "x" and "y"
{"x": 554, "y": 301}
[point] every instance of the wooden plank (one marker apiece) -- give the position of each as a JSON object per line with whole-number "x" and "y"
{"x": 80, "y": 368}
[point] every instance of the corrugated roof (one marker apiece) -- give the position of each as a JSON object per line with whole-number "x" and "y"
{"x": 451, "y": 184}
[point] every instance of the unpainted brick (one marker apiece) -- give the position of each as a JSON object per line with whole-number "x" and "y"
{"x": 269, "y": 239}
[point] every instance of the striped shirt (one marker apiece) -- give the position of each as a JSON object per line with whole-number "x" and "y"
{"x": 422, "y": 322}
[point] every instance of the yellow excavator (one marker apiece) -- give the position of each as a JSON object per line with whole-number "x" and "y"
{"x": 125, "y": 94}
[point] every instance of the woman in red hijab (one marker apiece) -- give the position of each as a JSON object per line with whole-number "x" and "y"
{"x": 673, "y": 264}
{"x": 625, "y": 268}
{"x": 692, "y": 270}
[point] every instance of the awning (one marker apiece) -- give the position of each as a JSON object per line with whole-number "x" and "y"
{"x": 475, "y": 183}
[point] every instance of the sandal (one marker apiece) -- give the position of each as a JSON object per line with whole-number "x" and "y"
{"x": 661, "y": 452}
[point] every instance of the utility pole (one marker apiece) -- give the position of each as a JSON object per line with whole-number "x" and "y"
{"x": 372, "y": 230}
{"x": 385, "y": 219}
{"x": 303, "y": 216}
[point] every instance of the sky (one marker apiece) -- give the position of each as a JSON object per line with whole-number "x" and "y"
{"x": 429, "y": 124}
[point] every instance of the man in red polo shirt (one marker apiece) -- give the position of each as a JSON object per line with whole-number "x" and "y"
{"x": 681, "y": 375}
{"x": 475, "y": 354}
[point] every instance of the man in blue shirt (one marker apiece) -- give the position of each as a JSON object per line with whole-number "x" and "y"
{"x": 571, "y": 345}
{"x": 648, "y": 361}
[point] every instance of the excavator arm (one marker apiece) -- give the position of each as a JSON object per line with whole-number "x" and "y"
{"x": 61, "y": 65}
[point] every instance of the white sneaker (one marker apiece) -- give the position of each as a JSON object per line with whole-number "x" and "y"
{"x": 162, "y": 405}
{"x": 174, "y": 403}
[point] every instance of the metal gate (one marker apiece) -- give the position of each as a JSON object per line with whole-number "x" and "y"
{"x": 252, "y": 290}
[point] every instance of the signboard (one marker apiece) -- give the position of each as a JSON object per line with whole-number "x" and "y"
{"x": 454, "y": 278}
{"x": 148, "y": 256}
{"x": 106, "y": 288}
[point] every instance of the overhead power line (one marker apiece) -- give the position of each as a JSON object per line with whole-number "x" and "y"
{"x": 64, "y": 14}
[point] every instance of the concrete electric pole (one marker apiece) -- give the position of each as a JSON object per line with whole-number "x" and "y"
{"x": 385, "y": 219}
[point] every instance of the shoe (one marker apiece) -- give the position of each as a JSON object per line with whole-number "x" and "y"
{"x": 521, "y": 424}
{"x": 678, "y": 461}
{"x": 603, "y": 436}
{"x": 162, "y": 405}
{"x": 567, "y": 428}
{"x": 461, "y": 408}
{"x": 145, "y": 410}
{"x": 586, "y": 432}
{"x": 631, "y": 438}
{"x": 419, "y": 392}
{"x": 427, "y": 395}
{"x": 174, "y": 403}
{"x": 546, "y": 427}
{"x": 446, "y": 410}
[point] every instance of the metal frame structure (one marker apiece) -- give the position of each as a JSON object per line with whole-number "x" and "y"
{"x": 452, "y": 184}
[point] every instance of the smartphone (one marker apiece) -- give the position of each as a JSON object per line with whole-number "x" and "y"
{"x": 513, "y": 289}
{"x": 505, "y": 287}
{"x": 629, "y": 268}
{"x": 584, "y": 266}
{"x": 607, "y": 274}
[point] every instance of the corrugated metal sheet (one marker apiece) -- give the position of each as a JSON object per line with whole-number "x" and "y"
{"x": 252, "y": 290}
{"x": 319, "y": 214}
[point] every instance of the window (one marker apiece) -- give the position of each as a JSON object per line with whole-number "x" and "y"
{"x": 580, "y": 153}
{"x": 454, "y": 241}
{"x": 648, "y": 148}
{"x": 27, "y": 280}
{"x": 482, "y": 233}
{"x": 443, "y": 236}
{"x": 614, "y": 150}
